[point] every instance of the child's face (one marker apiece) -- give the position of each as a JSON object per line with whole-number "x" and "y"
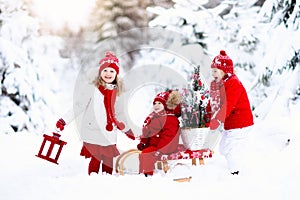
{"x": 158, "y": 106}
{"x": 108, "y": 75}
{"x": 217, "y": 74}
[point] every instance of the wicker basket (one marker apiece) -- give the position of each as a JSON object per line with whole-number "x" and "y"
{"x": 194, "y": 138}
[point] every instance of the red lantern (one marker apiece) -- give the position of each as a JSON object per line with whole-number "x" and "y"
{"x": 55, "y": 143}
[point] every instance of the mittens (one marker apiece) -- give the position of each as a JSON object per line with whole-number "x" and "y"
{"x": 214, "y": 124}
{"x": 140, "y": 146}
{"x": 60, "y": 124}
{"x": 157, "y": 155}
{"x": 130, "y": 134}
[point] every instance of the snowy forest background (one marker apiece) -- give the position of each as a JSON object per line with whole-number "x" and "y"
{"x": 40, "y": 59}
{"x": 44, "y": 47}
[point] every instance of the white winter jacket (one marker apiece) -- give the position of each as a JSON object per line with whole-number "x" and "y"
{"x": 89, "y": 112}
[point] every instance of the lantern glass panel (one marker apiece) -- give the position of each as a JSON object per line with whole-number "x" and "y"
{"x": 46, "y": 147}
{"x": 54, "y": 151}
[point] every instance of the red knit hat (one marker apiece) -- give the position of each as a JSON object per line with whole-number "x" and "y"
{"x": 223, "y": 62}
{"x": 162, "y": 97}
{"x": 110, "y": 60}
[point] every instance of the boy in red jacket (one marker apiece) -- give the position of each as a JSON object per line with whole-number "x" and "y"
{"x": 229, "y": 105}
{"x": 161, "y": 130}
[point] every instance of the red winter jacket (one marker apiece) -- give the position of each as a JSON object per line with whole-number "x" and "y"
{"x": 235, "y": 110}
{"x": 162, "y": 131}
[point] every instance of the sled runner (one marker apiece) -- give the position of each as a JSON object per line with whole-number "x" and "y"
{"x": 188, "y": 179}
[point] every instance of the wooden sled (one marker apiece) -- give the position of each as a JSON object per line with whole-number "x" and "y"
{"x": 162, "y": 163}
{"x": 119, "y": 166}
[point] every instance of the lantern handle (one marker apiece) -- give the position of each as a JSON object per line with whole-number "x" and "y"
{"x": 57, "y": 130}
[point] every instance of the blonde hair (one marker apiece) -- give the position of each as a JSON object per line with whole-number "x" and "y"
{"x": 174, "y": 99}
{"x": 98, "y": 81}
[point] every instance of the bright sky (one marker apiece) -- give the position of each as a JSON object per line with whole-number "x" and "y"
{"x": 57, "y": 13}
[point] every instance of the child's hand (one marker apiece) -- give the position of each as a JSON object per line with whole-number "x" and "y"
{"x": 214, "y": 124}
{"x": 158, "y": 155}
{"x": 140, "y": 146}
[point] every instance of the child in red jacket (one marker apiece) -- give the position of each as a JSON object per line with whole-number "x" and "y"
{"x": 229, "y": 105}
{"x": 161, "y": 130}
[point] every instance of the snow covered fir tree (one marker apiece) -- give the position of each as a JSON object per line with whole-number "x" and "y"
{"x": 27, "y": 70}
{"x": 244, "y": 41}
{"x": 251, "y": 45}
{"x": 39, "y": 67}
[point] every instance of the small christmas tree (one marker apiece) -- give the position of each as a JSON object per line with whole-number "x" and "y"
{"x": 195, "y": 100}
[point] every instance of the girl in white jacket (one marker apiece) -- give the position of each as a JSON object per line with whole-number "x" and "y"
{"x": 98, "y": 124}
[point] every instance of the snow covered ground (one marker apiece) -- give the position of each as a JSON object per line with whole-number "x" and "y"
{"x": 272, "y": 171}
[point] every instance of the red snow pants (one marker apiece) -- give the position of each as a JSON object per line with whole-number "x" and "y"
{"x": 147, "y": 160}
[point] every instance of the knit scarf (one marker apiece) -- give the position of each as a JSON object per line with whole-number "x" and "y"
{"x": 216, "y": 90}
{"x": 215, "y": 96}
{"x": 110, "y": 93}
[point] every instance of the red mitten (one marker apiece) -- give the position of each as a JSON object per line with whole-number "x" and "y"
{"x": 157, "y": 155}
{"x": 60, "y": 124}
{"x": 130, "y": 134}
{"x": 140, "y": 146}
{"x": 214, "y": 124}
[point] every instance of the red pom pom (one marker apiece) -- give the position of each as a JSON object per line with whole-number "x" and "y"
{"x": 223, "y": 53}
{"x": 109, "y": 127}
{"x": 120, "y": 125}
